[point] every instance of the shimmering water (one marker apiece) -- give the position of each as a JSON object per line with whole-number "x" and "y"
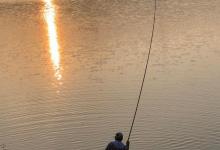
{"x": 70, "y": 71}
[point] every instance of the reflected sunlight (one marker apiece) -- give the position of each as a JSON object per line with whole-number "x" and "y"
{"x": 50, "y": 18}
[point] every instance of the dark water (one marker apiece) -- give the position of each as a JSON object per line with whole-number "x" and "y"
{"x": 70, "y": 71}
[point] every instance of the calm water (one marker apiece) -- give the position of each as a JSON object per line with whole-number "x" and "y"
{"x": 70, "y": 71}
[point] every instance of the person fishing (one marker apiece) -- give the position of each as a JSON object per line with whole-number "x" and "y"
{"x": 117, "y": 144}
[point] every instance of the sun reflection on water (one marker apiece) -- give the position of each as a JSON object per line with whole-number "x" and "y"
{"x": 50, "y": 18}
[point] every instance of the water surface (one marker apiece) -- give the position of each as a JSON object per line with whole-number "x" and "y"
{"x": 70, "y": 72}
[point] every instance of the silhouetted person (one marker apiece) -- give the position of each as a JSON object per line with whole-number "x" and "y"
{"x": 117, "y": 144}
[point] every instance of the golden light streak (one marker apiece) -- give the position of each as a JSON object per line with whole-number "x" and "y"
{"x": 50, "y": 18}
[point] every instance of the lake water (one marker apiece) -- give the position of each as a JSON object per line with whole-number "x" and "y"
{"x": 70, "y": 73}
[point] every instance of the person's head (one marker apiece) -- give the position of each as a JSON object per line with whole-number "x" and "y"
{"x": 119, "y": 136}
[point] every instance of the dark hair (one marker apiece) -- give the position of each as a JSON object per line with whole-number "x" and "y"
{"x": 119, "y": 136}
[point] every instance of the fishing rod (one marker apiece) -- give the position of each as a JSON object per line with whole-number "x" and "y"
{"x": 146, "y": 67}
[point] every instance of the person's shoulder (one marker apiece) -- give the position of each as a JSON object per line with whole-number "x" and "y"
{"x": 111, "y": 143}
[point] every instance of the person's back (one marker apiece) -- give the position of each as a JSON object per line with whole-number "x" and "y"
{"x": 117, "y": 144}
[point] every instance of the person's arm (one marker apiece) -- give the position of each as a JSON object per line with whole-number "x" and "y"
{"x": 127, "y": 145}
{"x": 109, "y": 146}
